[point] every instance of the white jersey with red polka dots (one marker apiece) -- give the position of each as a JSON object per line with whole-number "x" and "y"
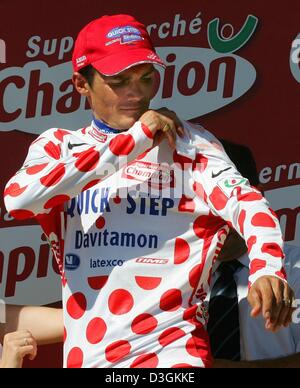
{"x": 135, "y": 229}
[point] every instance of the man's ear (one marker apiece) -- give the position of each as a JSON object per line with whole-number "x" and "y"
{"x": 81, "y": 84}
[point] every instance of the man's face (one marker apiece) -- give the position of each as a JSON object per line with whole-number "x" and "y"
{"x": 120, "y": 100}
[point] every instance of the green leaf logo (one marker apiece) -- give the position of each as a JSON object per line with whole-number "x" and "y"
{"x": 226, "y": 46}
{"x": 232, "y": 183}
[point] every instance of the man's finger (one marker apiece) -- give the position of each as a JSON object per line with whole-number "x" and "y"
{"x": 268, "y": 299}
{"x": 278, "y": 305}
{"x": 170, "y": 135}
{"x": 254, "y": 300}
{"x": 177, "y": 124}
{"x": 289, "y": 297}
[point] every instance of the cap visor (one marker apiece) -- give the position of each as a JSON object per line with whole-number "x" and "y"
{"x": 116, "y": 63}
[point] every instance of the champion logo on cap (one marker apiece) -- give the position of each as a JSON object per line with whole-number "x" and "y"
{"x": 124, "y": 35}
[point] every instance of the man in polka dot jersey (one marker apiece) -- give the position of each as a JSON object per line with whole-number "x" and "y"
{"x": 136, "y": 210}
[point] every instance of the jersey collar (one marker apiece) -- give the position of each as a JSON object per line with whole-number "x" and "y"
{"x": 104, "y": 128}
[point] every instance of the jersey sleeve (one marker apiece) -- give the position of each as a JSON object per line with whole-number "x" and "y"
{"x": 230, "y": 196}
{"x": 53, "y": 173}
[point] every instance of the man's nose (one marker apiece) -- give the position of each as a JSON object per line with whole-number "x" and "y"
{"x": 135, "y": 91}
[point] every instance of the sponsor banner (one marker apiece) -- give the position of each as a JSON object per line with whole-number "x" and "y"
{"x": 285, "y": 201}
{"x": 27, "y": 271}
{"x": 196, "y": 81}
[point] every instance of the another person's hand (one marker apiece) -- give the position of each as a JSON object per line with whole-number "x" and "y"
{"x": 16, "y": 346}
{"x": 163, "y": 123}
{"x": 273, "y": 298}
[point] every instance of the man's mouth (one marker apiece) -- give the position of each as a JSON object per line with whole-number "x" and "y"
{"x": 132, "y": 108}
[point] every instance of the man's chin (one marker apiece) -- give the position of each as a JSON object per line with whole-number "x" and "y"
{"x": 128, "y": 122}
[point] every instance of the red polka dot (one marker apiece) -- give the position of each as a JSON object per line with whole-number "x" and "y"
{"x": 194, "y": 275}
{"x": 60, "y": 134}
{"x": 241, "y": 221}
{"x": 65, "y": 335}
{"x": 144, "y": 324}
{"x": 190, "y": 313}
{"x": 200, "y": 163}
{"x": 91, "y": 184}
{"x": 76, "y": 305}
{"x": 251, "y": 242}
{"x": 120, "y": 302}
{"x": 53, "y": 150}
{"x": 218, "y": 199}
{"x": 87, "y": 160}
{"x": 197, "y": 346}
{"x": 117, "y": 200}
{"x": 181, "y": 251}
{"x": 83, "y": 131}
{"x": 100, "y": 223}
{"x": 56, "y": 201}
{"x": 147, "y": 131}
{"x": 263, "y": 220}
{"x": 171, "y": 300}
{"x": 149, "y": 360}
{"x": 257, "y": 265}
{"x": 182, "y": 366}
{"x": 183, "y": 162}
{"x": 21, "y": 214}
{"x": 249, "y": 197}
{"x": 147, "y": 282}
{"x": 14, "y": 190}
{"x": 122, "y": 145}
{"x": 54, "y": 177}
{"x": 281, "y": 274}
{"x": 96, "y": 330}
{"x": 97, "y": 282}
{"x": 75, "y": 358}
{"x": 186, "y": 205}
{"x": 36, "y": 169}
{"x": 117, "y": 350}
{"x": 207, "y": 226}
{"x": 272, "y": 249}
{"x": 170, "y": 335}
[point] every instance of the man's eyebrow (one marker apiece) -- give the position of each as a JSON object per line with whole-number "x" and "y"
{"x": 149, "y": 72}
{"x": 113, "y": 77}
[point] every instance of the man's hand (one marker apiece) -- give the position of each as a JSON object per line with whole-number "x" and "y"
{"x": 273, "y": 298}
{"x": 16, "y": 346}
{"x": 163, "y": 123}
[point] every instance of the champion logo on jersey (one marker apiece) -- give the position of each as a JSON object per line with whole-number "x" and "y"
{"x": 158, "y": 176}
{"x": 97, "y": 135}
{"x": 124, "y": 35}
